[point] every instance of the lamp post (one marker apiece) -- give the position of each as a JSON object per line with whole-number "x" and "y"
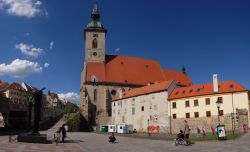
{"x": 218, "y": 103}
{"x": 148, "y": 128}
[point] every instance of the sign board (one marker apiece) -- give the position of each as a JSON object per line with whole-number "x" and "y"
{"x": 221, "y": 131}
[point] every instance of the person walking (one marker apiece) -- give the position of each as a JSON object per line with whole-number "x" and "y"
{"x": 203, "y": 132}
{"x": 186, "y": 133}
{"x": 213, "y": 130}
{"x": 198, "y": 132}
{"x": 63, "y": 130}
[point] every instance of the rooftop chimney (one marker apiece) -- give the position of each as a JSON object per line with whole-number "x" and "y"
{"x": 215, "y": 83}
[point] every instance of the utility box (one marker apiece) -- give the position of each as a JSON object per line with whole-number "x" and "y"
{"x": 124, "y": 129}
{"x": 104, "y": 128}
{"x": 112, "y": 128}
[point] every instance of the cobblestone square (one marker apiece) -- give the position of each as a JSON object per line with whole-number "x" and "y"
{"x": 92, "y": 142}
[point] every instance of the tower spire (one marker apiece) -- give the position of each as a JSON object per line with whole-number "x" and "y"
{"x": 95, "y": 12}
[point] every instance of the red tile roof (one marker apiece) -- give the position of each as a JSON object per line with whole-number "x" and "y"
{"x": 146, "y": 90}
{"x": 180, "y": 78}
{"x": 130, "y": 70}
{"x": 206, "y": 89}
{"x": 3, "y": 85}
{"x": 16, "y": 86}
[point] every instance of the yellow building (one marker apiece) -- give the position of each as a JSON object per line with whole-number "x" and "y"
{"x": 197, "y": 105}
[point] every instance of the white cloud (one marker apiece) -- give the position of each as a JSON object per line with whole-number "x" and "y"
{"x": 20, "y": 68}
{"x": 117, "y": 50}
{"x": 26, "y": 8}
{"x": 70, "y": 96}
{"x": 51, "y": 45}
{"x": 29, "y": 50}
{"x": 46, "y": 65}
{"x": 27, "y": 34}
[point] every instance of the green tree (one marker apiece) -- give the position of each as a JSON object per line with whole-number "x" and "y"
{"x": 70, "y": 108}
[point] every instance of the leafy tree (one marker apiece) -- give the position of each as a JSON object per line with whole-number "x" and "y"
{"x": 70, "y": 108}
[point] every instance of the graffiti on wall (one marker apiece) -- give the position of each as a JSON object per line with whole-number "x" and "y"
{"x": 157, "y": 129}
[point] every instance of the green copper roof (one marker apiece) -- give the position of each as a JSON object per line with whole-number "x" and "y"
{"x": 95, "y": 24}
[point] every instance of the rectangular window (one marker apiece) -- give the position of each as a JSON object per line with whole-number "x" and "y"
{"x": 207, "y": 101}
{"x": 187, "y": 103}
{"x": 196, "y": 103}
{"x": 174, "y": 105}
{"x": 133, "y": 110}
{"x": 196, "y": 114}
{"x": 114, "y": 104}
{"x": 187, "y": 115}
{"x": 142, "y": 108}
{"x": 221, "y": 113}
{"x": 174, "y": 116}
{"x": 208, "y": 113}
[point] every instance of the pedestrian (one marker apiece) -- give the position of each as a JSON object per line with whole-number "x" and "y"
{"x": 212, "y": 129}
{"x": 244, "y": 128}
{"x": 66, "y": 128}
{"x": 203, "y": 132}
{"x": 198, "y": 132}
{"x": 63, "y": 130}
{"x": 186, "y": 133}
{"x": 112, "y": 138}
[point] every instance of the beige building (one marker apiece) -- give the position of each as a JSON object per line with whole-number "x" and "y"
{"x": 103, "y": 76}
{"x": 197, "y": 105}
{"x": 145, "y": 108}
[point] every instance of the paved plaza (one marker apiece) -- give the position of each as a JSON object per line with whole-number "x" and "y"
{"x": 92, "y": 142}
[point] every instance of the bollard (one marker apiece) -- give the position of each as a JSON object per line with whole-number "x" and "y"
{"x": 9, "y": 138}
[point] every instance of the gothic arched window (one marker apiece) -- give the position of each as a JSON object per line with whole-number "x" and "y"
{"x": 94, "y": 44}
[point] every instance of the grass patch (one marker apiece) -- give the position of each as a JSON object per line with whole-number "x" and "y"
{"x": 229, "y": 136}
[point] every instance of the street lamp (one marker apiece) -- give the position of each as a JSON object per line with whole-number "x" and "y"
{"x": 148, "y": 128}
{"x": 218, "y": 103}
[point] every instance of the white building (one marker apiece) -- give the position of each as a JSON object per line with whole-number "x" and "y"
{"x": 144, "y": 108}
{"x": 196, "y": 104}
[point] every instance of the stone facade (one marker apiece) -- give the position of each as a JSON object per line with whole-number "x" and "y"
{"x": 208, "y": 122}
{"x": 96, "y": 102}
{"x": 146, "y": 110}
{"x": 235, "y": 107}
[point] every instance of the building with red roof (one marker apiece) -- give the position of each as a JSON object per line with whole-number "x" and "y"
{"x": 198, "y": 105}
{"x": 104, "y": 75}
{"x": 145, "y": 108}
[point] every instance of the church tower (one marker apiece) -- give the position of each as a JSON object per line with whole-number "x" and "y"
{"x": 95, "y": 36}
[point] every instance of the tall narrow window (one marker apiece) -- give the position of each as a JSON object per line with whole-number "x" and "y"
{"x": 133, "y": 110}
{"x": 142, "y": 108}
{"x": 196, "y": 114}
{"x": 95, "y": 95}
{"x": 207, "y": 101}
{"x": 94, "y": 44}
{"x": 196, "y": 103}
{"x": 187, "y": 103}
{"x": 174, "y": 105}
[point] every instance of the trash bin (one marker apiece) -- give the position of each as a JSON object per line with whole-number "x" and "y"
{"x": 104, "y": 129}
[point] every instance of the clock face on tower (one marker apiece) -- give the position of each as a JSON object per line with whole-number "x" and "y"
{"x": 94, "y": 54}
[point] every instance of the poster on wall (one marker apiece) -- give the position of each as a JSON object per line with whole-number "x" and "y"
{"x": 221, "y": 131}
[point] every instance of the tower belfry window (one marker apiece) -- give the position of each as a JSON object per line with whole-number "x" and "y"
{"x": 94, "y": 44}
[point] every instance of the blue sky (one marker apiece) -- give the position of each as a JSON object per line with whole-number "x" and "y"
{"x": 207, "y": 36}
